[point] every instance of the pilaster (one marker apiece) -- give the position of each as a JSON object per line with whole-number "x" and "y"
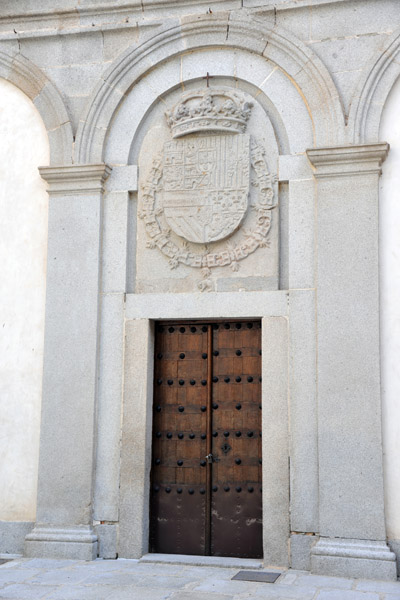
{"x": 67, "y": 438}
{"x": 351, "y": 519}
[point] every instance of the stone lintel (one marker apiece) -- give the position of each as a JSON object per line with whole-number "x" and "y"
{"x": 340, "y": 161}
{"x": 364, "y": 559}
{"x": 200, "y": 306}
{"x": 75, "y": 179}
{"x": 79, "y": 543}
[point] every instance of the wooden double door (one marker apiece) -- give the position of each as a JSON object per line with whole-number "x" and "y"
{"x": 206, "y": 495}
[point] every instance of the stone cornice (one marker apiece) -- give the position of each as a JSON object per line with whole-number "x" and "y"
{"x": 75, "y": 179}
{"x": 125, "y": 14}
{"x": 339, "y": 161}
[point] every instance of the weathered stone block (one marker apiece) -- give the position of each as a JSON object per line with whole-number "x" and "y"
{"x": 107, "y": 536}
{"x": 75, "y": 80}
{"x": 12, "y": 536}
{"x": 300, "y": 550}
{"x": 63, "y": 50}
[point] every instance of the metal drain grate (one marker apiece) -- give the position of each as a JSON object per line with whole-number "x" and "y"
{"x": 261, "y": 577}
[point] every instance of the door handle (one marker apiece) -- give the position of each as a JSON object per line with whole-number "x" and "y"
{"x": 210, "y": 458}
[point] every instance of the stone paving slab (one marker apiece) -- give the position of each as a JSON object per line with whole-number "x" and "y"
{"x": 26, "y": 591}
{"x": 108, "y": 593}
{"x": 346, "y": 595}
{"x": 46, "y": 579}
{"x": 282, "y": 592}
{"x": 378, "y": 586}
{"x": 17, "y": 575}
{"x": 319, "y": 581}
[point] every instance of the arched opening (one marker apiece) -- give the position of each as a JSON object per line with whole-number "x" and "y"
{"x": 23, "y": 242}
{"x": 390, "y": 310}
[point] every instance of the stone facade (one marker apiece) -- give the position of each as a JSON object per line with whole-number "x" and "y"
{"x": 212, "y": 160}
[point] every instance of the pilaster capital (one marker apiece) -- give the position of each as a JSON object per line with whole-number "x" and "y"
{"x": 75, "y": 179}
{"x": 342, "y": 161}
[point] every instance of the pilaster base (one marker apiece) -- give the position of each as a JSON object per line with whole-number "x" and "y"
{"x": 361, "y": 559}
{"x": 79, "y": 543}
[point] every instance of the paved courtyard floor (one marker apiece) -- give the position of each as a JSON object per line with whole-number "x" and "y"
{"x": 34, "y": 579}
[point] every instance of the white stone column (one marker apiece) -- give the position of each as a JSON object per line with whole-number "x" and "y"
{"x": 352, "y": 522}
{"x": 67, "y": 439}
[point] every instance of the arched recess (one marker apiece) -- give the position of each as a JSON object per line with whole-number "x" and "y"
{"x": 33, "y": 82}
{"x": 293, "y": 127}
{"x": 389, "y": 255}
{"x": 300, "y": 65}
{"x": 380, "y": 75}
{"x": 23, "y": 248}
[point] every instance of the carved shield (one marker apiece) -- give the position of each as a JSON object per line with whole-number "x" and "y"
{"x": 206, "y": 183}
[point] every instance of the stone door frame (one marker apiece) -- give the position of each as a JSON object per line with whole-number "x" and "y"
{"x": 141, "y": 313}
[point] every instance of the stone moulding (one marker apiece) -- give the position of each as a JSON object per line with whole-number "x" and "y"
{"x": 63, "y": 542}
{"x": 380, "y": 75}
{"x": 75, "y": 179}
{"x": 354, "y": 548}
{"x": 19, "y": 70}
{"x": 353, "y": 558}
{"x": 25, "y": 75}
{"x": 249, "y": 34}
{"x": 83, "y": 535}
{"x": 339, "y": 161}
{"x": 134, "y": 8}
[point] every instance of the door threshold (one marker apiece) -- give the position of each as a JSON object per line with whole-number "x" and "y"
{"x": 203, "y": 561}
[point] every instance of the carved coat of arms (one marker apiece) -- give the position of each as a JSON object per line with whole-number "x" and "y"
{"x": 199, "y": 187}
{"x": 206, "y": 185}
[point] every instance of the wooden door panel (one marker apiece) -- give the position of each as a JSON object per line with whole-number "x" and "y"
{"x": 236, "y": 524}
{"x": 185, "y": 502}
{"x": 178, "y": 495}
{"x": 182, "y": 526}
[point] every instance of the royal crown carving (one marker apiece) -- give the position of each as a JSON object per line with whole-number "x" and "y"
{"x": 213, "y": 109}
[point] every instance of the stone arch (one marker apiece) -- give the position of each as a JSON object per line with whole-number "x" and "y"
{"x": 380, "y": 75}
{"x": 23, "y": 249}
{"x": 152, "y": 94}
{"x": 306, "y": 72}
{"x": 33, "y": 82}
